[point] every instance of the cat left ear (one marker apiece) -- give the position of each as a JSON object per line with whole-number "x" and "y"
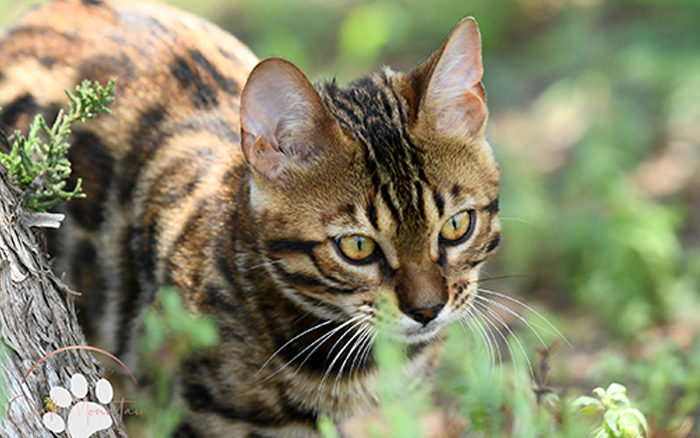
{"x": 452, "y": 98}
{"x": 283, "y": 121}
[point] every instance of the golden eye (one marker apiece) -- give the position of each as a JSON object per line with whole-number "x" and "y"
{"x": 456, "y": 227}
{"x": 357, "y": 248}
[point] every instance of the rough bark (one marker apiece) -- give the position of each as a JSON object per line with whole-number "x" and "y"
{"x": 36, "y": 319}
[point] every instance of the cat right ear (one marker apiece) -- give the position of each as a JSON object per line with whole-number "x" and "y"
{"x": 446, "y": 87}
{"x": 283, "y": 121}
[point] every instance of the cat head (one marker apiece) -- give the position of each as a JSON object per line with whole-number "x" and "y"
{"x": 382, "y": 191}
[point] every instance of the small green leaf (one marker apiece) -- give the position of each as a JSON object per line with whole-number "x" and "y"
{"x": 38, "y": 167}
{"x": 603, "y": 433}
{"x": 600, "y": 392}
{"x": 611, "y": 418}
{"x": 585, "y": 401}
{"x": 618, "y": 394}
{"x": 616, "y": 388}
{"x": 635, "y": 418}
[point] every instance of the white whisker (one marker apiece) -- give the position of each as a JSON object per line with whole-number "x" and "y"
{"x": 318, "y": 341}
{"x": 494, "y": 328}
{"x": 491, "y": 331}
{"x": 338, "y": 355}
{"x": 464, "y": 323}
{"x": 510, "y": 331}
{"x": 514, "y": 313}
{"x": 290, "y": 341}
{"x": 366, "y": 346}
{"x": 322, "y": 340}
{"x": 529, "y": 308}
{"x": 368, "y": 349}
{"x": 364, "y": 331}
{"x": 471, "y": 320}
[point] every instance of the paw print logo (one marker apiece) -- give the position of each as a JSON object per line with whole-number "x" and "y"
{"x": 85, "y": 417}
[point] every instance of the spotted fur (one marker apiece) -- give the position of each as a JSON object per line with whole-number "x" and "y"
{"x": 233, "y": 182}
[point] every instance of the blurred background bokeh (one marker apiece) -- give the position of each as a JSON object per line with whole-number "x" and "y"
{"x": 595, "y": 119}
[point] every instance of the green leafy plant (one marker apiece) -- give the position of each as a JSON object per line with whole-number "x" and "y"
{"x": 620, "y": 420}
{"x": 37, "y": 163}
{"x": 403, "y": 403}
{"x": 171, "y": 334}
{"x": 494, "y": 399}
{"x": 669, "y": 377}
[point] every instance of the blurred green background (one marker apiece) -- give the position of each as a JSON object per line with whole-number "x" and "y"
{"x": 595, "y": 119}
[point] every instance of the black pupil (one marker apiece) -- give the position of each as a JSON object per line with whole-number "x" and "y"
{"x": 360, "y": 243}
{"x": 454, "y": 224}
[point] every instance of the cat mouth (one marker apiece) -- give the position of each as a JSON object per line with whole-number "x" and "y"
{"x": 411, "y": 331}
{"x": 422, "y": 334}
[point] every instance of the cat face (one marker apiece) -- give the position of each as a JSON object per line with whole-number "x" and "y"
{"x": 383, "y": 194}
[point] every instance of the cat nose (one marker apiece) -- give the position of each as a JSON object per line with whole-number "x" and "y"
{"x": 425, "y": 315}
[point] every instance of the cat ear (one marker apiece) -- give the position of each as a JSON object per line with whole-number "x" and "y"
{"x": 451, "y": 97}
{"x": 283, "y": 121}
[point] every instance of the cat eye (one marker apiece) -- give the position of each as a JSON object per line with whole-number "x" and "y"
{"x": 458, "y": 227}
{"x": 356, "y": 248}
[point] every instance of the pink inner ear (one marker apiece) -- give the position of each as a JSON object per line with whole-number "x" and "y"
{"x": 273, "y": 99}
{"x": 280, "y": 106}
{"x": 279, "y": 109}
{"x": 464, "y": 116}
{"x": 264, "y": 157}
{"x": 257, "y": 123}
{"x": 454, "y": 95}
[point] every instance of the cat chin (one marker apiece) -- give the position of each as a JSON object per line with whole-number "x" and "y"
{"x": 420, "y": 334}
{"x": 411, "y": 333}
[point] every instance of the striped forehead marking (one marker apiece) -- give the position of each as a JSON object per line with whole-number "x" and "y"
{"x": 376, "y": 116}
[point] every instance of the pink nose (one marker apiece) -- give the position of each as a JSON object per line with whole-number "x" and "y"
{"x": 425, "y": 315}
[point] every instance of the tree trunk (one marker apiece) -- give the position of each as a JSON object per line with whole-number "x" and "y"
{"x": 37, "y": 318}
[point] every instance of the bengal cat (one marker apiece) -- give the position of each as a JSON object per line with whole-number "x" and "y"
{"x": 284, "y": 209}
